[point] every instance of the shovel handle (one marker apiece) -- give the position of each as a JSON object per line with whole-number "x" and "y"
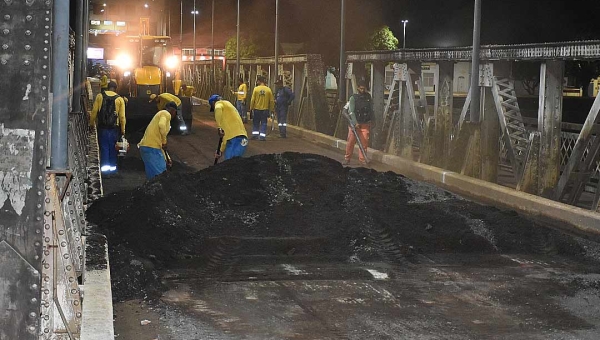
{"x": 218, "y": 149}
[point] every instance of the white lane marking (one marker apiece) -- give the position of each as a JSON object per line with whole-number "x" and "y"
{"x": 377, "y": 275}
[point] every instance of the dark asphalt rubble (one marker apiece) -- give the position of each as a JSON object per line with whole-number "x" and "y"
{"x": 363, "y": 215}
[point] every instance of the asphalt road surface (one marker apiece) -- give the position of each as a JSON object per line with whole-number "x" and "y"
{"x": 291, "y": 296}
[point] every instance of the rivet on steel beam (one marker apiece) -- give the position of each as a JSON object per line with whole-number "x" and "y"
{"x": 76, "y": 303}
{"x": 3, "y": 61}
{"x": 68, "y": 267}
{"x": 34, "y": 286}
{"x": 32, "y": 315}
{"x": 37, "y": 243}
{"x": 4, "y": 46}
{"x": 73, "y": 291}
{"x": 31, "y": 329}
{"x": 66, "y": 256}
{"x": 5, "y": 31}
{"x": 27, "y": 47}
{"x": 47, "y": 253}
{"x": 7, "y": 17}
{"x": 61, "y": 232}
{"x": 63, "y": 244}
{"x": 78, "y": 314}
{"x": 33, "y": 300}
{"x": 28, "y": 18}
{"x": 47, "y": 226}
{"x": 46, "y": 330}
{"x": 28, "y": 32}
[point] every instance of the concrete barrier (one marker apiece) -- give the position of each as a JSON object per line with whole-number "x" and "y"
{"x": 97, "y": 314}
{"x": 567, "y": 218}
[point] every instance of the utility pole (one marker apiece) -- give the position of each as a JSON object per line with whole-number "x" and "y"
{"x": 342, "y": 80}
{"x": 404, "y": 22}
{"x": 475, "y": 91}
{"x": 237, "y": 43}
{"x": 212, "y": 34}
{"x": 181, "y": 29}
{"x": 276, "y": 42}
{"x": 194, "y": 53}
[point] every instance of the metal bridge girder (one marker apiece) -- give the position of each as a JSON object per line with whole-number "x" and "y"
{"x": 511, "y": 123}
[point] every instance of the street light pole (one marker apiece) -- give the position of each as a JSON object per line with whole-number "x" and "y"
{"x": 342, "y": 80}
{"x": 212, "y": 38}
{"x": 404, "y": 22}
{"x": 194, "y": 53}
{"x": 475, "y": 91}
{"x": 276, "y": 41}
{"x": 237, "y": 43}
{"x": 181, "y": 31}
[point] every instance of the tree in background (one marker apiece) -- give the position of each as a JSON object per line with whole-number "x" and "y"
{"x": 248, "y": 48}
{"x": 529, "y": 75}
{"x": 382, "y": 39}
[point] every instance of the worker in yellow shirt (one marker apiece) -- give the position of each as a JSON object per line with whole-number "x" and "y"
{"x": 163, "y": 99}
{"x": 108, "y": 115}
{"x": 262, "y": 105}
{"x": 231, "y": 128}
{"x": 154, "y": 143}
{"x": 240, "y": 103}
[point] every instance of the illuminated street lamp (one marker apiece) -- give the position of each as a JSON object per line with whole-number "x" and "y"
{"x": 404, "y": 22}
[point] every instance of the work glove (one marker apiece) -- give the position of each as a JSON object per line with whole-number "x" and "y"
{"x": 218, "y": 154}
{"x": 221, "y": 132}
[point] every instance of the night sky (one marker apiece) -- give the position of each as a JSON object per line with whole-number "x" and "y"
{"x": 432, "y": 23}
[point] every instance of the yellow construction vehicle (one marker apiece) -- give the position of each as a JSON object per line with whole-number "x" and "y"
{"x": 146, "y": 68}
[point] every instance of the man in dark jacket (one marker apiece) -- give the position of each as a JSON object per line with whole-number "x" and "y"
{"x": 283, "y": 99}
{"x": 360, "y": 110}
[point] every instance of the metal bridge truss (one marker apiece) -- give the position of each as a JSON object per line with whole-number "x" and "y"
{"x": 539, "y": 157}
{"x": 583, "y": 161}
{"x": 304, "y": 74}
{"x": 515, "y": 137}
{"x": 400, "y": 112}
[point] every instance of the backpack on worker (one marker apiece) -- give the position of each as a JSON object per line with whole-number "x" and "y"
{"x": 107, "y": 117}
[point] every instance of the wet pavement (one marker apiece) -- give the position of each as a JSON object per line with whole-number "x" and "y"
{"x": 250, "y": 286}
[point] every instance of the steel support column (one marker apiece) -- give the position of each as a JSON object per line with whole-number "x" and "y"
{"x": 377, "y": 92}
{"x": 24, "y": 109}
{"x": 549, "y": 125}
{"x": 78, "y": 80}
{"x": 298, "y": 82}
{"x": 60, "y": 86}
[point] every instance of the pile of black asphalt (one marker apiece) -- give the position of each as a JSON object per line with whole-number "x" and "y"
{"x": 358, "y": 213}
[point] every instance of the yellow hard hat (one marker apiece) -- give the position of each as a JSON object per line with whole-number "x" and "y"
{"x": 152, "y": 97}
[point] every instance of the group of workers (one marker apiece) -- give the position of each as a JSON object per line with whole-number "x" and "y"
{"x": 108, "y": 114}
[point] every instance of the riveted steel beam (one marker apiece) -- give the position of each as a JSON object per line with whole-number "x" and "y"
{"x": 573, "y": 50}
